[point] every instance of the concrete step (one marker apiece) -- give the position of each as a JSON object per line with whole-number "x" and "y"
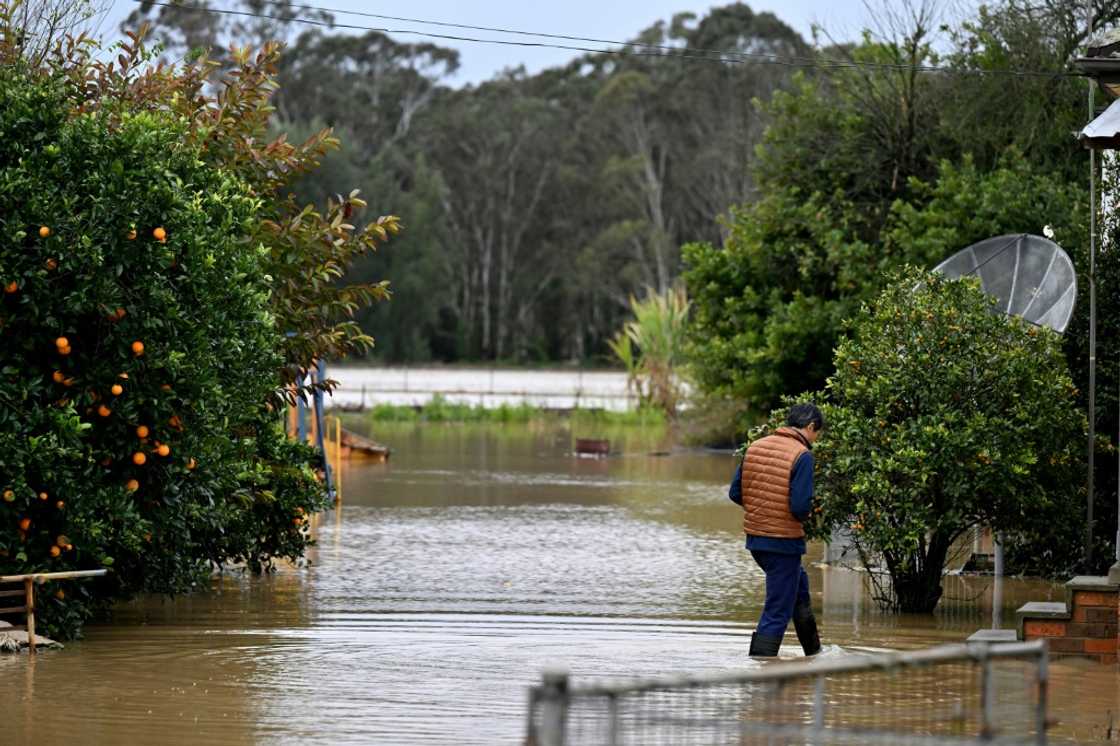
{"x": 994, "y": 635}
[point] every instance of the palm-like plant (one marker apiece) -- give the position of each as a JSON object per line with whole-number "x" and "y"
{"x": 651, "y": 347}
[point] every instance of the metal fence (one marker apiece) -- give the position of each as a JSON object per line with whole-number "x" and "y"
{"x": 953, "y": 694}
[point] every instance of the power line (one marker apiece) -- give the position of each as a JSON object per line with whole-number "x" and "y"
{"x": 725, "y": 56}
{"x": 545, "y": 35}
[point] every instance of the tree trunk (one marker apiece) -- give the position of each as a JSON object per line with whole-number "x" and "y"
{"x": 917, "y": 589}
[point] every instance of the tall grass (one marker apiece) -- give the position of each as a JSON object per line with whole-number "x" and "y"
{"x": 439, "y": 410}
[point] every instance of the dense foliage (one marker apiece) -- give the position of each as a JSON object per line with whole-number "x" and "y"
{"x": 944, "y": 416}
{"x": 160, "y": 297}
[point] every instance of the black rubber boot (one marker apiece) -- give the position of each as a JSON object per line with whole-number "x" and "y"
{"x": 764, "y": 647}
{"x": 806, "y": 625}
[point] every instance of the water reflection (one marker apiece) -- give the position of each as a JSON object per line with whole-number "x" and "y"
{"x": 450, "y": 577}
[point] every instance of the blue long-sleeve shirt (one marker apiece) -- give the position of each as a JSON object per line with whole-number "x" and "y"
{"x": 800, "y": 505}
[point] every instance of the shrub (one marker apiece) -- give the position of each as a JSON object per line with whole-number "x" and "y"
{"x": 943, "y": 415}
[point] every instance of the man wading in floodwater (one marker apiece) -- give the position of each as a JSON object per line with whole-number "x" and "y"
{"x": 774, "y": 484}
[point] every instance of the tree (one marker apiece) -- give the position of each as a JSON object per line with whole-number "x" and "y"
{"x": 161, "y": 296}
{"x": 944, "y": 415}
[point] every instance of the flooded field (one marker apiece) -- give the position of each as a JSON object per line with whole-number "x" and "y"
{"x": 448, "y": 580}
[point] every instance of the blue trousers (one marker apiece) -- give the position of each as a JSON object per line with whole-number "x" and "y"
{"x": 786, "y": 584}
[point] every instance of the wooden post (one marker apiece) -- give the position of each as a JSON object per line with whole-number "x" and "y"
{"x": 29, "y": 600}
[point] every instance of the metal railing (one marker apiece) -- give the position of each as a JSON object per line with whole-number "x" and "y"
{"x": 953, "y": 694}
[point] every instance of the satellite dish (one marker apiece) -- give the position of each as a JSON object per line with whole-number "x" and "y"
{"x": 1030, "y": 276}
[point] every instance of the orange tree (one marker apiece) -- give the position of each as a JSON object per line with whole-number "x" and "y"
{"x": 161, "y": 296}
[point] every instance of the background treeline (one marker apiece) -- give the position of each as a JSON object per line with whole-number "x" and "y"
{"x": 534, "y": 205}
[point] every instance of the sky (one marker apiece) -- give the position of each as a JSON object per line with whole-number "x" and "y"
{"x": 603, "y": 19}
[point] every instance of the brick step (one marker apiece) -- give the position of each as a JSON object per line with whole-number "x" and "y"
{"x": 1086, "y": 625}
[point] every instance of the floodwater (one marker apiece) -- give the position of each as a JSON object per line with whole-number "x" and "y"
{"x": 447, "y": 582}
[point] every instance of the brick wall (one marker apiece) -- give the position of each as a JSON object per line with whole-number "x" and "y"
{"x": 1088, "y": 626}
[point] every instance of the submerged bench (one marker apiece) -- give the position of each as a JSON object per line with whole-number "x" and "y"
{"x": 29, "y": 582}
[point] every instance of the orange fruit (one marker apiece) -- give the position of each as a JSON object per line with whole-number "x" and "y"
{"x": 120, "y": 313}
{"x": 60, "y": 505}
{"x": 132, "y": 235}
{"x": 164, "y": 450}
{"x": 62, "y": 541}
{"x": 165, "y": 387}
{"x": 68, "y": 382}
{"x": 44, "y": 231}
{"x": 52, "y": 264}
{"x": 60, "y": 594}
{"x": 58, "y": 376}
{"x": 104, "y": 411}
{"x": 64, "y": 350}
{"x": 55, "y": 551}
{"x": 175, "y": 422}
{"x": 160, "y": 234}
{"x": 117, "y": 389}
{"x": 139, "y": 458}
{"x": 191, "y": 464}
{"x": 9, "y": 496}
{"x": 11, "y": 287}
{"x": 132, "y": 485}
{"x": 24, "y": 524}
{"x": 137, "y": 348}
{"x": 142, "y": 431}
{"x": 62, "y": 342}
{"x": 68, "y": 547}
{"x": 123, "y": 375}
{"x": 147, "y": 537}
{"x": 44, "y": 496}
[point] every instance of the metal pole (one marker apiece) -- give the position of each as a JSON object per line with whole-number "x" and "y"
{"x": 1092, "y": 327}
{"x": 997, "y": 587}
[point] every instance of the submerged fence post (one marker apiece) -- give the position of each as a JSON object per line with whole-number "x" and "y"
{"x": 554, "y": 708}
{"x": 818, "y": 712}
{"x": 613, "y": 729}
{"x": 1043, "y": 694}
{"x": 986, "y": 696}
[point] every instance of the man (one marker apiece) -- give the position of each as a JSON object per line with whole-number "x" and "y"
{"x": 774, "y": 484}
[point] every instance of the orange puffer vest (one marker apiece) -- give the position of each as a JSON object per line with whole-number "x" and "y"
{"x": 766, "y": 473}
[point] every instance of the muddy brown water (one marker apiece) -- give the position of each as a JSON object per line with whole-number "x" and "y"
{"x": 448, "y": 580}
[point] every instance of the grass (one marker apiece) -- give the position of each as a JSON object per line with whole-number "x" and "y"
{"x": 441, "y": 410}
